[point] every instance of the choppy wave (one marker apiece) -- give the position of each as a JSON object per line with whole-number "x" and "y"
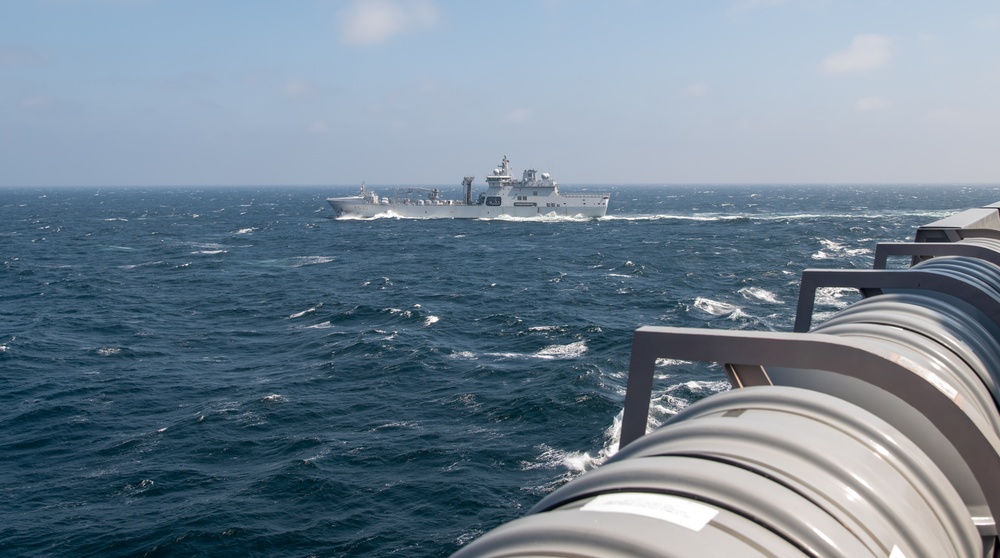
{"x": 715, "y": 307}
{"x": 758, "y": 294}
{"x": 311, "y": 260}
{"x": 366, "y": 388}
{"x": 571, "y": 350}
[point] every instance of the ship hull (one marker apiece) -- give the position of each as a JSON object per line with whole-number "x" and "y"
{"x": 532, "y": 196}
{"x": 358, "y": 208}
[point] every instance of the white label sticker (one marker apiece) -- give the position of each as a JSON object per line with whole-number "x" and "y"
{"x": 679, "y": 511}
{"x": 943, "y": 386}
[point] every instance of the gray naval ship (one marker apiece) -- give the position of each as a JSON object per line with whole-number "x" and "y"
{"x": 534, "y": 195}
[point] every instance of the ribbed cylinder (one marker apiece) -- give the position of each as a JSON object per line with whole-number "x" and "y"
{"x": 772, "y": 471}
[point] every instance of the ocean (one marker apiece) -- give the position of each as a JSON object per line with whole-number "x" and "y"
{"x": 232, "y": 372}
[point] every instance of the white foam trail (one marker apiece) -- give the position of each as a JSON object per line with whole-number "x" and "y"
{"x": 312, "y": 260}
{"x": 670, "y": 362}
{"x": 546, "y": 328}
{"x": 304, "y": 312}
{"x": 571, "y": 350}
{"x": 757, "y": 293}
{"x": 834, "y": 296}
{"x": 714, "y": 307}
{"x": 836, "y": 248}
{"x": 553, "y": 458}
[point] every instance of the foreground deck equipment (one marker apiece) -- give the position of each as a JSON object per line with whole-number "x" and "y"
{"x": 874, "y": 433}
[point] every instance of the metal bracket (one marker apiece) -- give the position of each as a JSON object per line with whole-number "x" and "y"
{"x": 885, "y": 249}
{"x": 872, "y": 282}
{"x": 953, "y": 234}
{"x": 853, "y": 358}
{"x": 746, "y": 375}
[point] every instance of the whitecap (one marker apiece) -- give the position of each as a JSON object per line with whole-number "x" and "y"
{"x": 670, "y": 362}
{"x": 757, "y": 293}
{"x": 507, "y": 355}
{"x": 317, "y": 457}
{"x": 397, "y": 424}
{"x": 714, "y": 307}
{"x": 311, "y": 260}
{"x": 133, "y": 266}
{"x": 834, "y": 296}
{"x": 713, "y": 386}
{"x": 834, "y": 247}
{"x": 552, "y": 458}
{"x": 831, "y": 245}
{"x": 571, "y": 350}
{"x": 304, "y": 312}
{"x": 431, "y": 320}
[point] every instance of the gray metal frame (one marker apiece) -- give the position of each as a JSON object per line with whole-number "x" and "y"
{"x": 931, "y": 249}
{"x": 752, "y": 352}
{"x": 872, "y": 282}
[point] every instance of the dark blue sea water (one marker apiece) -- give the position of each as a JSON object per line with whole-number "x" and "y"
{"x": 231, "y": 372}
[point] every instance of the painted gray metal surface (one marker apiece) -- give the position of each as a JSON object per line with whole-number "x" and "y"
{"x": 874, "y": 433}
{"x": 505, "y": 196}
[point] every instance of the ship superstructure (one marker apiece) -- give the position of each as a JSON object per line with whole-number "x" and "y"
{"x": 536, "y": 194}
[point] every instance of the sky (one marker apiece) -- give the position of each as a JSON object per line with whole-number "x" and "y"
{"x": 336, "y": 92}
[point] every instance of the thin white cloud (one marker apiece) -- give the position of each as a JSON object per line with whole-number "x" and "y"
{"x": 869, "y": 104}
{"x": 319, "y": 127}
{"x": 952, "y": 117}
{"x": 37, "y": 104}
{"x": 367, "y": 22}
{"x": 990, "y": 22}
{"x": 866, "y": 52}
{"x": 518, "y": 116}
{"x": 300, "y": 89}
{"x": 14, "y": 55}
{"x": 693, "y": 90}
{"x": 751, "y": 5}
